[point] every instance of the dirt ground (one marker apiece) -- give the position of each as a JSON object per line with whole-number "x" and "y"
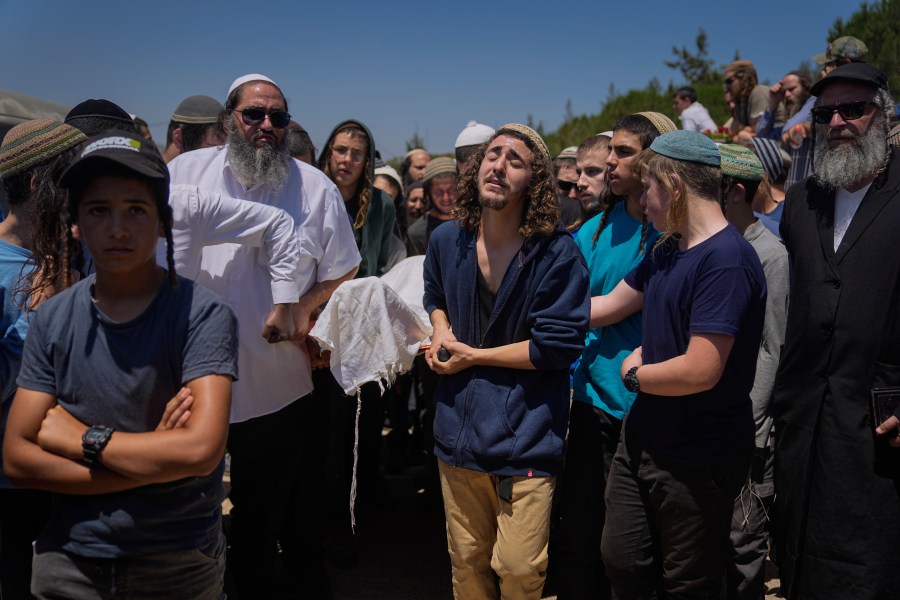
{"x": 402, "y": 551}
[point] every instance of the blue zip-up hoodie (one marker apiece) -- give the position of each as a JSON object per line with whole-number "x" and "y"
{"x": 508, "y": 422}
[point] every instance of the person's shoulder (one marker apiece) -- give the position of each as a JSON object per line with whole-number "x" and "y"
{"x": 65, "y": 305}
{"x": 316, "y": 186}
{"x": 769, "y": 245}
{"x": 448, "y": 230}
{"x": 200, "y": 158}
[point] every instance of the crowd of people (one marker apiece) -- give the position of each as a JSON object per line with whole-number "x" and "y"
{"x": 657, "y": 360}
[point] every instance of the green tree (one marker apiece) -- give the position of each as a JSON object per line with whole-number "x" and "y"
{"x": 415, "y": 141}
{"x": 876, "y": 24}
{"x": 696, "y": 67}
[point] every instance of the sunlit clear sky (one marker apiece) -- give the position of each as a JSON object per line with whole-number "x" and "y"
{"x": 400, "y": 67}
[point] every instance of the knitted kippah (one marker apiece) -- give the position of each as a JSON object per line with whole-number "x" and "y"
{"x": 442, "y": 165}
{"x": 570, "y": 152}
{"x": 662, "y": 123}
{"x": 32, "y": 142}
{"x": 739, "y": 161}
{"x": 529, "y": 133}
{"x": 689, "y": 146}
{"x": 474, "y": 134}
{"x": 198, "y": 110}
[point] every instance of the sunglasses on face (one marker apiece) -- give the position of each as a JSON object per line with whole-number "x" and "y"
{"x": 254, "y": 116}
{"x": 566, "y": 186}
{"x": 849, "y": 111}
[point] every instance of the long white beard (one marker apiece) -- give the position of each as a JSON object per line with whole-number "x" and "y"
{"x": 266, "y": 165}
{"x": 846, "y": 164}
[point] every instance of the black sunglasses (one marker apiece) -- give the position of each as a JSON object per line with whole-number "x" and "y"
{"x": 566, "y": 186}
{"x": 254, "y": 116}
{"x": 849, "y": 111}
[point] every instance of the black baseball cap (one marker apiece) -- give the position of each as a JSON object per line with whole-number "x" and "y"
{"x": 856, "y": 71}
{"x": 123, "y": 148}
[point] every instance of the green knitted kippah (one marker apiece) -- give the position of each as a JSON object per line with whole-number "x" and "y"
{"x": 740, "y": 162}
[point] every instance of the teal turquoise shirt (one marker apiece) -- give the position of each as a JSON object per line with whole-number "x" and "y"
{"x": 597, "y": 378}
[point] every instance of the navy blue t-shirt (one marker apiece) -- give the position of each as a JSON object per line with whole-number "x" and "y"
{"x": 716, "y": 287}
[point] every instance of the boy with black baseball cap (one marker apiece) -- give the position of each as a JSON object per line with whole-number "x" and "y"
{"x": 138, "y": 487}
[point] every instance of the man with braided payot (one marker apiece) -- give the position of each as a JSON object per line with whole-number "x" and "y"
{"x": 613, "y": 243}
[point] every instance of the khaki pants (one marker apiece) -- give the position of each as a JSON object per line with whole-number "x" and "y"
{"x": 487, "y": 535}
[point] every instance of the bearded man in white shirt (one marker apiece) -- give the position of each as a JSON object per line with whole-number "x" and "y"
{"x": 271, "y": 406}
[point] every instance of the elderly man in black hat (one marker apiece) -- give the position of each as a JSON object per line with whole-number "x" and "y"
{"x": 835, "y": 405}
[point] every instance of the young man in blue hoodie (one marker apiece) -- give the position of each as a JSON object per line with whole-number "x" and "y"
{"x": 507, "y": 291}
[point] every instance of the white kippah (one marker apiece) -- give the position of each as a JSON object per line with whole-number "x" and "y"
{"x": 251, "y": 77}
{"x": 389, "y": 171}
{"x": 474, "y": 134}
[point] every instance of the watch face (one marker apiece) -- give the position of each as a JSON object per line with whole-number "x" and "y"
{"x": 94, "y": 436}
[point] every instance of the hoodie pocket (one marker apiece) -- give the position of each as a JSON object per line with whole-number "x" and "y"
{"x": 496, "y": 412}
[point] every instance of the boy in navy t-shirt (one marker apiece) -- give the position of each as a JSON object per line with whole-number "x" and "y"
{"x": 137, "y": 501}
{"x": 688, "y": 439}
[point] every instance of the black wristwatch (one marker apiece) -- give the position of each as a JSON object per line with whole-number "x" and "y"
{"x": 631, "y": 381}
{"x": 94, "y": 441}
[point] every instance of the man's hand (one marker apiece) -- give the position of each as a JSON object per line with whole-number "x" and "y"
{"x": 776, "y": 96}
{"x": 891, "y": 428}
{"x": 178, "y": 410}
{"x": 462, "y": 356}
{"x": 279, "y": 324}
{"x": 439, "y": 339}
{"x": 60, "y": 434}
{"x": 302, "y": 318}
{"x": 318, "y": 358}
{"x": 635, "y": 359}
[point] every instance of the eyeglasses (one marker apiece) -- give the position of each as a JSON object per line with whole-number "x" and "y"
{"x": 566, "y": 186}
{"x": 849, "y": 111}
{"x": 356, "y": 156}
{"x": 254, "y": 116}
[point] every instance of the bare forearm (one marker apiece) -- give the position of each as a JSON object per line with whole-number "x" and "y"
{"x": 321, "y": 291}
{"x": 676, "y": 377}
{"x": 28, "y": 466}
{"x": 163, "y": 456}
{"x": 511, "y": 356}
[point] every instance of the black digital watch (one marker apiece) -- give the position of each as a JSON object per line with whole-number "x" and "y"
{"x": 94, "y": 441}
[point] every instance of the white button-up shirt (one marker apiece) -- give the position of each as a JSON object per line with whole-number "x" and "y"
{"x": 271, "y": 375}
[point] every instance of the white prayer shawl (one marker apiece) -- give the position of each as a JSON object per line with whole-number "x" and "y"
{"x": 407, "y": 278}
{"x": 373, "y": 336}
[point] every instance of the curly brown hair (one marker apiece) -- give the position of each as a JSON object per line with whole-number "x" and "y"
{"x": 541, "y": 200}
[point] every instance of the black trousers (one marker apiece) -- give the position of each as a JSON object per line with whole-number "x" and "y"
{"x": 668, "y": 524}
{"x": 575, "y": 560}
{"x": 267, "y": 453}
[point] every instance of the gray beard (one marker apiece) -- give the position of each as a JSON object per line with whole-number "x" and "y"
{"x": 266, "y": 165}
{"x": 847, "y": 164}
